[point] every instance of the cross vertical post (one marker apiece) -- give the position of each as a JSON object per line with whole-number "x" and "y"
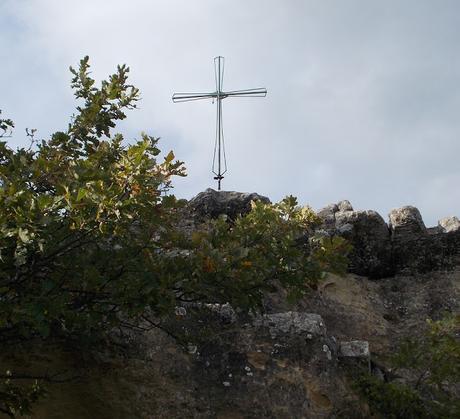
{"x": 219, "y": 175}
{"x": 219, "y": 157}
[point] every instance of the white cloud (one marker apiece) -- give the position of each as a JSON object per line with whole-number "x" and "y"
{"x": 362, "y": 101}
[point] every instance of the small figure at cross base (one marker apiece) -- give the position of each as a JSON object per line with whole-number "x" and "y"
{"x": 218, "y": 178}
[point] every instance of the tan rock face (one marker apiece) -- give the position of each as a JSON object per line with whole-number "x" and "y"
{"x": 275, "y": 367}
{"x": 258, "y": 360}
{"x": 352, "y": 309}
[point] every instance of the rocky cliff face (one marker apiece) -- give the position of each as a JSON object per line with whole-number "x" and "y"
{"x": 289, "y": 362}
{"x": 404, "y": 245}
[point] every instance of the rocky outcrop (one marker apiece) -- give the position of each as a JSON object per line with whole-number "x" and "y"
{"x": 369, "y": 235}
{"x": 293, "y": 323}
{"x": 404, "y": 245}
{"x": 278, "y": 365}
{"x": 366, "y": 231}
{"x": 410, "y": 240}
{"x": 406, "y": 221}
{"x": 327, "y": 217}
{"x": 344, "y": 206}
{"x": 449, "y": 224}
{"x": 379, "y": 249}
{"x": 211, "y": 203}
{"x": 355, "y": 349}
{"x": 418, "y": 249}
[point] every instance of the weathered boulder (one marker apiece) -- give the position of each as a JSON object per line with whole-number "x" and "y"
{"x": 449, "y": 224}
{"x": 327, "y": 216}
{"x": 370, "y": 238}
{"x": 344, "y": 206}
{"x": 366, "y": 231}
{"x": 354, "y": 349}
{"x": 293, "y": 323}
{"x": 212, "y": 203}
{"x": 405, "y": 222}
{"x": 411, "y": 243}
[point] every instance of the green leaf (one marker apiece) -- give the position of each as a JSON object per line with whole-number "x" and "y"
{"x": 23, "y": 235}
{"x": 170, "y": 157}
{"x": 81, "y": 194}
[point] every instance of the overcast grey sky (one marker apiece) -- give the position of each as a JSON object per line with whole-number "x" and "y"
{"x": 363, "y": 96}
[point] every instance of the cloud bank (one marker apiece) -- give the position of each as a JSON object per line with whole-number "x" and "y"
{"x": 362, "y": 104}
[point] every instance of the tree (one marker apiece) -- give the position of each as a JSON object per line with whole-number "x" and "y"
{"x": 76, "y": 216}
{"x": 89, "y": 242}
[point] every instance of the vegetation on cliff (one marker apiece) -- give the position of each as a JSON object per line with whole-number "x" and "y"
{"x": 425, "y": 373}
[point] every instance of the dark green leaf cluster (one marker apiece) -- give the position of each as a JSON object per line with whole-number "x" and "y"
{"x": 76, "y": 215}
{"x": 391, "y": 400}
{"x": 103, "y": 106}
{"x": 237, "y": 262}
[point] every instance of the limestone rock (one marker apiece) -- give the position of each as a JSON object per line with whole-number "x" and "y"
{"x": 328, "y": 213}
{"x": 370, "y": 237}
{"x": 327, "y": 216}
{"x": 211, "y": 203}
{"x": 449, "y": 224}
{"x": 354, "y": 349}
{"x": 406, "y": 221}
{"x": 411, "y": 243}
{"x": 225, "y": 311}
{"x": 344, "y": 206}
{"x": 366, "y": 231}
{"x": 292, "y": 323}
{"x": 330, "y": 209}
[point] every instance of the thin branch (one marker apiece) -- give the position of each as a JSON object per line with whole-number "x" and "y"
{"x": 48, "y": 378}
{"x": 163, "y": 329}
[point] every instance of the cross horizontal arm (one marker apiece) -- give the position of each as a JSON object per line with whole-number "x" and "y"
{"x": 187, "y": 97}
{"x": 260, "y": 92}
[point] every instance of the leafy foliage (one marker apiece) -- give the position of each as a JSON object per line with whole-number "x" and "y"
{"x": 237, "y": 263}
{"x": 435, "y": 359}
{"x": 6, "y": 125}
{"x": 75, "y": 217}
{"x": 431, "y": 365}
{"x": 16, "y": 399}
{"x": 88, "y": 236}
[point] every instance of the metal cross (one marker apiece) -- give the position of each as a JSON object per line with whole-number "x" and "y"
{"x": 219, "y": 161}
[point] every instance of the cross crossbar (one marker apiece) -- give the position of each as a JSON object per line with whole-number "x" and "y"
{"x": 219, "y": 162}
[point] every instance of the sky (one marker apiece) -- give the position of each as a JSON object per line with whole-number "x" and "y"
{"x": 363, "y": 95}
